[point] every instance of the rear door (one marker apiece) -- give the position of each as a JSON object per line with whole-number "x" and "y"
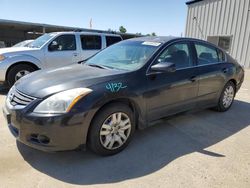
{"x": 211, "y": 72}
{"x": 90, "y": 45}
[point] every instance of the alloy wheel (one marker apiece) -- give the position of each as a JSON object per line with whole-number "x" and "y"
{"x": 228, "y": 96}
{"x": 115, "y": 131}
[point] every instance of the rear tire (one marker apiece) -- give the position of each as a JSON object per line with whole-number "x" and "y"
{"x": 17, "y": 72}
{"x": 111, "y": 129}
{"x": 226, "y": 97}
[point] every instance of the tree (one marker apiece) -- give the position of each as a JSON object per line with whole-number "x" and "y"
{"x": 122, "y": 29}
{"x": 153, "y": 34}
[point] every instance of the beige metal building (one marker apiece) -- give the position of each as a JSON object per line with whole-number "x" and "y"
{"x": 225, "y": 23}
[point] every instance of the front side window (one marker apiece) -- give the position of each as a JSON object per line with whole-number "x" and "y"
{"x": 178, "y": 54}
{"x": 206, "y": 54}
{"x": 91, "y": 42}
{"x": 112, "y": 40}
{"x": 63, "y": 43}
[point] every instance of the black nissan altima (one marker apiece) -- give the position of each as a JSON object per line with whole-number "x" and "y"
{"x": 128, "y": 86}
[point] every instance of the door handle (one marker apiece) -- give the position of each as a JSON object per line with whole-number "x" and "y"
{"x": 192, "y": 79}
{"x": 75, "y": 54}
{"x": 225, "y": 70}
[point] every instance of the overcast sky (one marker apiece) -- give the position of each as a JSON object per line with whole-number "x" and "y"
{"x": 165, "y": 17}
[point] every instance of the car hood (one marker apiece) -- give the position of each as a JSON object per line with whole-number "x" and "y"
{"x": 8, "y": 51}
{"x": 47, "y": 82}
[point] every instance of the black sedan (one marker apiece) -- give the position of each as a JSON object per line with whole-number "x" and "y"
{"x": 128, "y": 86}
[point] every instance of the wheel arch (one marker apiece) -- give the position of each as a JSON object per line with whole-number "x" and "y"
{"x": 234, "y": 82}
{"x": 129, "y": 102}
{"x": 21, "y": 63}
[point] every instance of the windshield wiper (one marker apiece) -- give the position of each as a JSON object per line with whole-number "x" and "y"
{"x": 98, "y": 66}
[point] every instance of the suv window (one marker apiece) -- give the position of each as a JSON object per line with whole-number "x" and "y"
{"x": 91, "y": 42}
{"x": 178, "y": 54}
{"x": 63, "y": 43}
{"x": 206, "y": 54}
{"x": 112, "y": 40}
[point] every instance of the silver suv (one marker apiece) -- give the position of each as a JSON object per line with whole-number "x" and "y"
{"x": 51, "y": 50}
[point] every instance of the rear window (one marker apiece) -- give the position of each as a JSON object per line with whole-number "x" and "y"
{"x": 91, "y": 42}
{"x": 112, "y": 40}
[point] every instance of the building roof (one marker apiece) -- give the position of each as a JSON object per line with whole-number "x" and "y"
{"x": 38, "y": 27}
{"x": 193, "y": 1}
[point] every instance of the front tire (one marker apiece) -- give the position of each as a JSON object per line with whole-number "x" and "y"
{"x": 111, "y": 129}
{"x": 18, "y": 72}
{"x": 226, "y": 97}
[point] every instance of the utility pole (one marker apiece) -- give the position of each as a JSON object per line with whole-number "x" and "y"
{"x": 199, "y": 28}
{"x": 90, "y": 23}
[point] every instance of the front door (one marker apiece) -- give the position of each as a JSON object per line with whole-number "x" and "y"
{"x": 62, "y": 51}
{"x": 172, "y": 92}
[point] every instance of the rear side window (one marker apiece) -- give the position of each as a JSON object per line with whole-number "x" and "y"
{"x": 206, "y": 54}
{"x": 221, "y": 55}
{"x": 112, "y": 40}
{"x": 91, "y": 42}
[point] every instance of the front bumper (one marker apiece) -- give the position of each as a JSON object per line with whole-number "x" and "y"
{"x": 3, "y": 70}
{"x": 47, "y": 132}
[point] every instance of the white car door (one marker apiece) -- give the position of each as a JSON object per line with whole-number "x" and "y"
{"x": 62, "y": 51}
{"x": 90, "y": 45}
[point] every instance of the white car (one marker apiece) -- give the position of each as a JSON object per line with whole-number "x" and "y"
{"x": 51, "y": 50}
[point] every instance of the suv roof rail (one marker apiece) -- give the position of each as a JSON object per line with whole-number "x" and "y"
{"x": 104, "y": 32}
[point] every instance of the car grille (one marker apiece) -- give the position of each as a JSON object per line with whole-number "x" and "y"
{"x": 17, "y": 98}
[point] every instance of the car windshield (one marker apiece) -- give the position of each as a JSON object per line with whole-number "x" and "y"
{"x": 126, "y": 55}
{"x": 40, "y": 41}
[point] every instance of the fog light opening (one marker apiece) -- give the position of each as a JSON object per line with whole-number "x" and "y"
{"x": 43, "y": 139}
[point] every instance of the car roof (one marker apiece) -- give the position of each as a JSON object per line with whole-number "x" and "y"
{"x": 163, "y": 40}
{"x": 159, "y": 39}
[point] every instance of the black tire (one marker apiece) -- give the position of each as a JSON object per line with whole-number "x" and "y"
{"x": 220, "y": 106}
{"x": 94, "y": 138}
{"x": 11, "y": 77}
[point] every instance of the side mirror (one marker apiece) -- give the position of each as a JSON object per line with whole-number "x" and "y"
{"x": 163, "y": 67}
{"x": 54, "y": 46}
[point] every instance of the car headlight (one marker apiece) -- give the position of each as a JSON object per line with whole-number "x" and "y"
{"x": 62, "y": 102}
{"x": 2, "y": 57}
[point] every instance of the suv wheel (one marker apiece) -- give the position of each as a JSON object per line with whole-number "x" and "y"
{"x": 111, "y": 129}
{"x": 18, "y": 72}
